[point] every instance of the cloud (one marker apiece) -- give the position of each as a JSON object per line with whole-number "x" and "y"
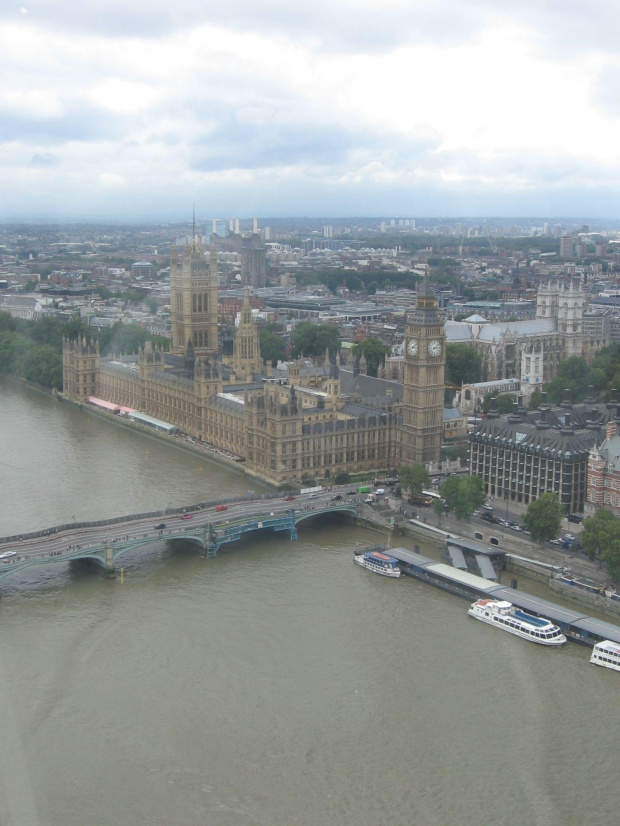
{"x": 112, "y": 181}
{"x": 341, "y": 25}
{"x": 282, "y": 104}
{"x": 79, "y": 124}
{"x": 44, "y": 159}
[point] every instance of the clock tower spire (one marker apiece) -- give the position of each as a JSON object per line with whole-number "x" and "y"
{"x": 425, "y": 361}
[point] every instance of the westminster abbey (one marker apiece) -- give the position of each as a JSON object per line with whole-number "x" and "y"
{"x": 287, "y": 428}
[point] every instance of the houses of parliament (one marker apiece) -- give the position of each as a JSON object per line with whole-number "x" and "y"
{"x": 286, "y": 426}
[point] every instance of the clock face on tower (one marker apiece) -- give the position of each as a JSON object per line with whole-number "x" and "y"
{"x": 412, "y": 347}
{"x": 434, "y": 348}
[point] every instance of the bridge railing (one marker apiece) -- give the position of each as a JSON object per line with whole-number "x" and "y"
{"x": 101, "y": 523}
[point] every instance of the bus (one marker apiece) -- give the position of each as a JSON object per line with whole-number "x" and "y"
{"x": 426, "y": 498}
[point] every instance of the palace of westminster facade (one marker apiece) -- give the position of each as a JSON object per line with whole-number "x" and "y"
{"x": 288, "y": 428}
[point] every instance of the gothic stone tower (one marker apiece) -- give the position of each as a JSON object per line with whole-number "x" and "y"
{"x": 425, "y": 360}
{"x": 246, "y": 351}
{"x": 193, "y": 298}
{"x": 80, "y": 368}
{"x": 564, "y": 301}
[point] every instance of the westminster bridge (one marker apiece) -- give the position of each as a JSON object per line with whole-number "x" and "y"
{"x": 208, "y": 525}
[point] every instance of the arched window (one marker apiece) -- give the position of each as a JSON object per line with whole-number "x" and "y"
{"x": 193, "y": 303}
{"x": 200, "y": 303}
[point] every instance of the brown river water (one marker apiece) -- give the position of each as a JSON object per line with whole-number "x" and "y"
{"x": 276, "y": 684}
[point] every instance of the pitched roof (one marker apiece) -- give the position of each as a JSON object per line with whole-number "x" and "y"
{"x": 518, "y": 329}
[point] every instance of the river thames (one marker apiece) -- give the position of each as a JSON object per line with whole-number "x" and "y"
{"x": 276, "y": 684}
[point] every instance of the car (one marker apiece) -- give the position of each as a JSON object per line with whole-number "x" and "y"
{"x": 556, "y": 541}
{"x": 288, "y": 498}
{"x": 516, "y": 528}
{"x": 487, "y": 507}
{"x": 8, "y": 554}
{"x": 504, "y": 523}
{"x": 476, "y": 513}
{"x": 221, "y": 507}
{"x": 569, "y": 536}
{"x": 380, "y": 491}
{"x": 336, "y": 498}
{"x": 187, "y": 516}
{"x": 314, "y": 496}
{"x": 160, "y": 527}
{"x": 351, "y": 493}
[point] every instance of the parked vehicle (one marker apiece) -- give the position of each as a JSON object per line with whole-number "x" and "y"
{"x": 221, "y": 507}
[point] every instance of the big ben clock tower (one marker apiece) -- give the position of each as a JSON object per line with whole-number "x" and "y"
{"x": 425, "y": 361}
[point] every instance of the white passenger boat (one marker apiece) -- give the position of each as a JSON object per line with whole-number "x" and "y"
{"x": 504, "y": 615}
{"x": 607, "y": 654}
{"x": 378, "y": 562}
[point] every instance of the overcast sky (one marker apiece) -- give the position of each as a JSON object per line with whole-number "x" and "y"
{"x": 134, "y": 110}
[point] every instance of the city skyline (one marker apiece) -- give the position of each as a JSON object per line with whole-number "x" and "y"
{"x": 421, "y": 108}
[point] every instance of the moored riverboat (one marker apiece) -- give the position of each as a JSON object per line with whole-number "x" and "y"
{"x": 378, "y": 563}
{"x": 503, "y": 614}
{"x": 607, "y": 654}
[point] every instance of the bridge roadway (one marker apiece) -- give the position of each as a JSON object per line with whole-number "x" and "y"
{"x": 208, "y": 527}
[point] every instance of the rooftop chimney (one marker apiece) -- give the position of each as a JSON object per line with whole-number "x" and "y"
{"x": 492, "y": 412}
{"x": 543, "y": 422}
{"x": 568, "y": 425}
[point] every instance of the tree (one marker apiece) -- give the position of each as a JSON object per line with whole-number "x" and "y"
{"x": 535, "y": 399}
{"x": 576, "y": 376}
{"x": 374, "y": 352}
{"x": 462, "y": 364}
{"x": 415, "y": 478}
{"x": 471, "y": 496}
{"x": 611, "y": 558}
{"x": 450, "y": 493}
{"x": 314, "y": 339}
{"x": 43, "y": 364}
{"x": 123, "y": 338}
{"x": 272, "y": 347}
{"x": 503, "y": 402}
{"x": 599, "y": 532}
{"x": 342, "y": 478}
{"x": 463, "y": 496}
{"x": 458, "y": 450}
{"x": 544, "y": 517}
{"x": 439, "y": 507}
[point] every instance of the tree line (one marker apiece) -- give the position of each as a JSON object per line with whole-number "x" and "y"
{"x": 33, "y": 349}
